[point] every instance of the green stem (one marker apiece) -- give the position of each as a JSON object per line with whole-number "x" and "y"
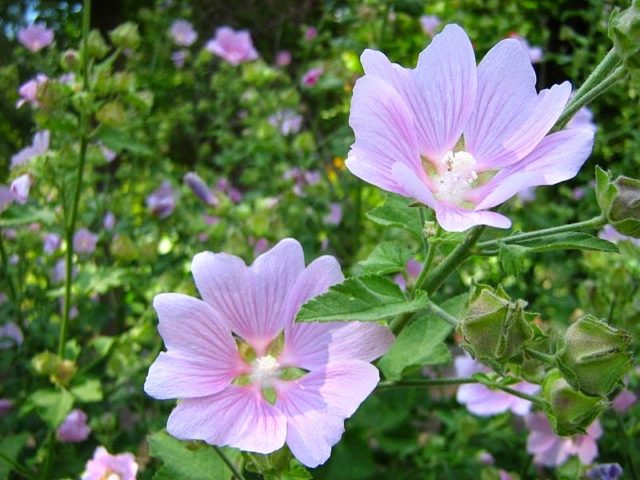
{"x": 426, "y": 382}
{"x": 456, "y": 258}
{"x": 428, "y": 260}
{"x": 595, "y": 222}
{"x": 440, "y": 313}
{"x": 577, "y": 103}
{"x": 512, "y": 391}
{"x": 234, "y": 470}
{"x": 544, "y": 357}
{"x": 84, "y": 143}
{"x": 630, "y": 451}
{"x": 15, "y": 466}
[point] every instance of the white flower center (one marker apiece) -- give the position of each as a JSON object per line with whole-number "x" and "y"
{"x": 264, "y": 371}
{"x": 457, "y": 177}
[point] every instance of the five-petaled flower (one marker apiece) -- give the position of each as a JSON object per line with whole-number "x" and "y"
{"x": 246, "y": 374}
{"x": 457, "y": 137}
{"x": 235, "y": 47}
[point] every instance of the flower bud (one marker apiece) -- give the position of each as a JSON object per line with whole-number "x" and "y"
{"x": 70, "y": 60}
{"x": 96, "y": 46}
{"x": 620, "y": 202}
{"x": 126, "y": 36}
{"x": 624, "y": 31}
{"x": 111, "y": 114}
{"x": 568, "y": 410}
{"x": 594, "y": 356}
{"x": 495, "y": 330}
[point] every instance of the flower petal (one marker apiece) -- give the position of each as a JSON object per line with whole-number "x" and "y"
{"x": 444, "y": 94}
{"x": 455, "y": 219}
{"x": 238, "y": 417}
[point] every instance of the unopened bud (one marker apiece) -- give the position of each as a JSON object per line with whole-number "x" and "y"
{"x": 624, "y": 31}
{"x": 96, "y": 46}
{"x": 595, "y": 356}
{"x": 70, "y": 60}
{"x": 126, "y": 36}
{"x": 111, "y": 114}
{"x": 620, "y": 202}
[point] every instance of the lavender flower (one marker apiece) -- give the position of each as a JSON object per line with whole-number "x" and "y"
{"x": 10, "y": 335}
{"x": 29, "y": 90}
{"x": 311, "y": 77}
{"x": 84, "y": 241}
{"x": 310, "y": 33}
{"x": 287, "y": 121}
{"x": 162, "y": 202}
{"x": 535, "y": 53}
{"x": 605, "y": 471}
{"x": 179, "y": 58}
{"x": 583, "y": 119}
{"x": 35, "y": 37}
{"x": 39, "y": 146}
{"x": 334, "y": 217}
{"x": 104, "y": 466}
{"x": 20, "y": 188}
{"x": 6, "y": 198}
{"x": 283, "y": 58}
{"x": 610, "y": 234}
{"x": 5, "y": 406}
{"x": 430, "y": 24}
{"x": 109, "y": 221}
{"x": 74, "y": 428}
{"x": 51, "y": 242}
{"x": 624, "y": 401}
{"x": 108, "y": 154}
{"x": 551, "y": 450}
{"x": 247, "y": 400}
{"x": 182, "y": 33}
{"x": 235, "y": 47}
{"x": 200, "y": 188}
{"x": 407, "y": 123}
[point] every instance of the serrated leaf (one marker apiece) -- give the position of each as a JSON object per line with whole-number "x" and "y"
{"x": 386, "y": 258}
{"x": 367, "y": 298}
{"x": 422, "y": 342}
{"x": 512, "y": 258}
{"x": 187, "y": 460}
{"x": 605, "y": 190}
{"x": 568, "y": 241}
{"x": 396, "y": 212}
{"x": 88, "y": 391}
{"x": 52, "y": 405}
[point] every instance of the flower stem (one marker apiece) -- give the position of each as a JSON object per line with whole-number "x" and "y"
{"x": 595, "y": 222}
{"x": 456, "y": 258}
{"x": 439, "y": 312}
{"x": 544, "y": 357}
{"x": 234, "y": 470}
{"x": 512, "y": 391}
{"x": 84, "y": 143}
{"x": 426, "y": 382}
{"x": 15, "y": 466}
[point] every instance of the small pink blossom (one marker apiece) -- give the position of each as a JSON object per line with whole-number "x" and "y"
{"x": 35, "y": 37}
{"x": 29, "y": 90}
{"x": 311, "y": 77}
{"x": 535, "y": 53}
{"x": 200, "y": 188}
{"x": 430, "y": 24}
{"x": 20, "y": 188}
{"x": 74, "y": 428}
{"x": 310, "y": 33}
{"x": 6, "y": 198}
{"x": 527, "y": 195}
{"x": 260, "y": 246}
{"x": 334, "y": 217}
{"x": 10, "y": 335}
{"x": 552, "y": 450}
{"x": 182, "y": 33}
{"x": 287, "y": 121}
{"x": 109, "y": 221}
{"x": 458, "y": 137}
{"x": 610, "y": 234}
{"x": 233, "y": 46}
{"x": 179, "y": 58}
{"x": 39, "y": 146}
{"x": 104, "y": 466}
{"x": 283, "y": 58}
{"x": 483, "y": 401}
{"x": 624, "y": 401}
{"x": 51, "y": 242}
{"x": 161, "y": 202}
{"x": 84, "y": 241}
{"x": 5, "y": 406}
{"x": 227, "y": 398}
{"x": 108, "y": 154}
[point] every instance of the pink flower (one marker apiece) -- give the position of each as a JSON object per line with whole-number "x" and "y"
{"x": 74, "y": 428}
{"x": 583, "y": 119}
{"x": 103, "y": 466}
{"x": 287, "y": 121}
{"x": 162, "y": 202}
{"x": 260, "y": 246}
{"x": 20, "y": 188}
{"x": 310, "y": 33}
{"x": 29, "y": 90}
{"x": 35, "y": 37}
{"x": 109, "y": 221}
{"x": 182, "y": 33}
{"x": 6, "y": 198}
{"x": 334, "y": 217}
{"x": 179, "y": 58}
{"x": 624, "y": 401}
{"x": 10, "y": 335}
{"x": 84, "y": 241}
{"x": 39, "y": 146}
{"x": 407, "y": 123}
{"x": 551, "y": 450}
{"x": 483, "y": 401}
{"x": 311, "y": 77}
{"x": 234, "y": 46}
{"x": 51, "y": 243}
{"x": 5, "y": 406}
{"x": 108, "y": 154}
{"x": 272, "y": 380}
{"x": 430, "y": 24}
{"x": 283, "y": 58}
{"x": 200, "y": 188}
{"x": 610, "y": 234}
{"x": 535, "y": 53}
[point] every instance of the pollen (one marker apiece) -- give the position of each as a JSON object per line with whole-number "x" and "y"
{"x": 264, "y": 370}
{"x": 456, "y": 177}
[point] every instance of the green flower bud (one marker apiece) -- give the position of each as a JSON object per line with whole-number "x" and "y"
{"x": 494, "y": 328}
{"x": 620, "y": 202}
{"x": 96, "y": 46}
{"x": 70, "y": 60}
{"x": 111, "y": 114}
{"x": 123, "y": 248}
{"x": 624, "y": 30}
{"x": 125, "y": 36}
{"x": 568, "y": 410}
{"x": 82, "y": 101}
{"x": 594, "y": 356}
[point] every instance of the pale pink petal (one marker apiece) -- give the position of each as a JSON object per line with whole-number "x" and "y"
{"x": 467, "y": 366}
{"x": 445, "y": 82}
{"x": 472, "y": 392}
{"x": 238, "y": 417}
{"x": 456, "y": 219}
{"x": 497, "y": 402}
{"x": 313, "y": 345}
{"x": 587, "y": 450}
{"x": 410, "y": 185}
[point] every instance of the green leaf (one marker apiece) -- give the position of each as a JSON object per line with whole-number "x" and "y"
{"x": 567, "y": 241}
{"x": 101, "y": 279}
{"x": 10, "y": 446}
{"x": 386, "y": 258}
{"x": 512, "y": 258}
{"x": 396, "y": 212}
{"x": 88, "y": 391}
{"x": 118, "y": 141}
{"x": 22, "y": 215}
{"x": 605, "y": 190}
{"x": 422, "y": 342}
{"x": 51, "y": 405}
{"x": 188, "y": 460}
{"x": 367, "y": 298}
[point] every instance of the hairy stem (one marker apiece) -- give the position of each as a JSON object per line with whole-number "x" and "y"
{"x": 426, "y": 382}
{"x": 234, "y": 470}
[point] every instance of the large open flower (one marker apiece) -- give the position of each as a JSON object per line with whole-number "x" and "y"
{"x": 246, "y": 374}
{"x": 458, "y": 138}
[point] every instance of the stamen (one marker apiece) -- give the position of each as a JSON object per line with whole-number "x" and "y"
{"x": 458, "y": 177}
